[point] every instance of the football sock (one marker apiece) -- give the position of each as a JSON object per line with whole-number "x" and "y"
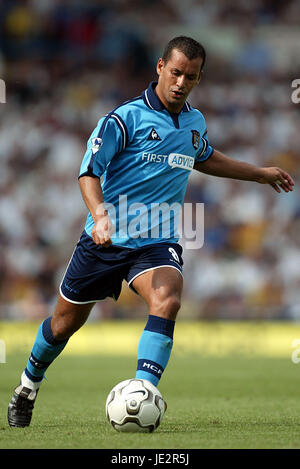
{"x": 45, "y": 350}
{"x": 154, "y": 348}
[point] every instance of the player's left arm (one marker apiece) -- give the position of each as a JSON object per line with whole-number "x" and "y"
{"x": 221, "y": 165}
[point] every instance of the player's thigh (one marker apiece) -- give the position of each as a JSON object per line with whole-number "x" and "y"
{"x": 68, "y": 317}
{"x": 161, "y": 288}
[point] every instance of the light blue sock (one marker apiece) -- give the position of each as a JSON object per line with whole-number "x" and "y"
{"x": 45, "y": 350}
{"x": 154, "y": 348}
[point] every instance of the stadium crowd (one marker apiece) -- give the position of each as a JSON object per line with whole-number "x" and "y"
{"x": 66, "y": 63}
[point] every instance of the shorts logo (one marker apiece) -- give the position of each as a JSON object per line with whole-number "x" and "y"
{"x": 174, "y": 254}
{"x": 195, "y": 139}
{"x": 70, "y": 289}
{"x": 96, "y": 144}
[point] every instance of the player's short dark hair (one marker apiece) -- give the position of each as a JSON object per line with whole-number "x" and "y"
{"x": 192, "y": 49}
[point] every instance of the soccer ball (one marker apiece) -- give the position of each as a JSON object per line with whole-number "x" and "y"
{"x": 135, "y": 405}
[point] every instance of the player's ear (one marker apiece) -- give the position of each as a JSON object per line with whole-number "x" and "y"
{"x": 200, "y": 76}
{"x": 160, "y": 66}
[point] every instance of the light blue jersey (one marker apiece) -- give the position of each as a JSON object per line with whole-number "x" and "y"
{"x": 145, "y": 155}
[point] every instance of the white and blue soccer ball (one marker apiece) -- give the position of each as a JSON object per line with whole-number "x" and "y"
{"x": 135, "y": 405}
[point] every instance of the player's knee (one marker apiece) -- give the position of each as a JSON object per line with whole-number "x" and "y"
{"x": 167, "y": 306}
{"x": 173, "y": 306}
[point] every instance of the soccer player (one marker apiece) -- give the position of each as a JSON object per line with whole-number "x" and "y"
{"x": 133, "y": 180}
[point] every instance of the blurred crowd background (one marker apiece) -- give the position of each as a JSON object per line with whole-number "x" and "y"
{"x": 67, "y": 62}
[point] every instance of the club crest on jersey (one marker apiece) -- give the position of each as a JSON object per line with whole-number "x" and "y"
{"x": 96, "y": 144}
{"x": 153, "y": 135}
{"x": 196, "y": 139}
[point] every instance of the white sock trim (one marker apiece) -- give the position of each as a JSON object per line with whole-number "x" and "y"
{"x": 25, "y": 381}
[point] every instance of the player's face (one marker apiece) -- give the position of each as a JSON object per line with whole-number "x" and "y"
{"x": 177, "y": 78}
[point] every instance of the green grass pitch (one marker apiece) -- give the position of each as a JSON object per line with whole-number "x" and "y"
{"x": 235, "y": 399}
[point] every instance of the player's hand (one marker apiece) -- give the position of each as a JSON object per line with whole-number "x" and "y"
{"x": 277, "y": 178}
{"x": 102, "y": 230}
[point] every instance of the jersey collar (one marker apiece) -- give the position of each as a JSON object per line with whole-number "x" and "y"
{"x": 153, "y": 102}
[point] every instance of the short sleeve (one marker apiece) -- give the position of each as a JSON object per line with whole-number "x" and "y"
{"x": 108, "y": 139}
{"x": 205, "y": 151}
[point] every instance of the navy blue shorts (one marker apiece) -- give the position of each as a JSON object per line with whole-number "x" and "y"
{"x": 95, "y": 272}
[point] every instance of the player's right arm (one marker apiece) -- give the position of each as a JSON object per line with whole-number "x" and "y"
{"x": 92, "y": 195}
{"x": 107, "y": 140}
